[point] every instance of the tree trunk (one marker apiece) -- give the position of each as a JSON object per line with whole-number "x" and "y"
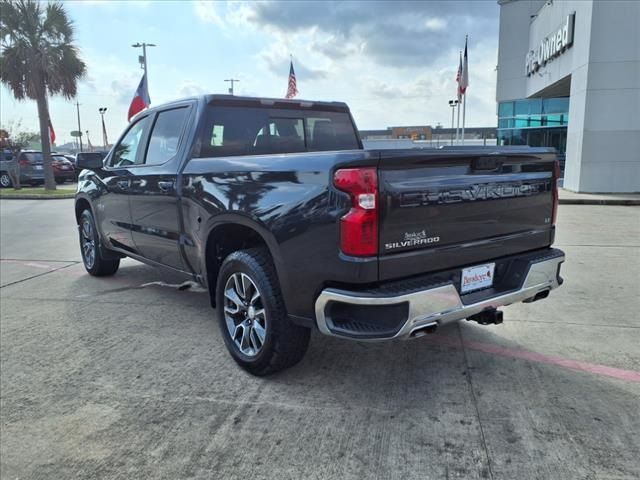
{"x": 14, "y": 172}
{"x": 43, "y": 114}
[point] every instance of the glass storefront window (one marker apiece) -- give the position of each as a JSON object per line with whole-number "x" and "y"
{"x": 556, "y": 105}
{"x": 537, "y": 122}
{"x": 535, "y": 106}
{"x": 522, "y": 107}
{"x": 555, "y": 120}
{"x": 505, "y": 109}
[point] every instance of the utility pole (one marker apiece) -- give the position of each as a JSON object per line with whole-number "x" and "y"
{"x": 79, "y": 129}
{"x": 143, "y": 58}
{"x": 231, "y": 80}
{"x": 105, "y": 142}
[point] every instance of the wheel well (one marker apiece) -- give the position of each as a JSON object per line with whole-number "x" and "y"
{"x": 81, "y": 206}
{"x": 222, "y": 241}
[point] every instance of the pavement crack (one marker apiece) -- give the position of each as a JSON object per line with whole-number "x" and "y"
{"x": 39, "y": 275}
{"x": 475, "y": 401}
{"x": 37, "y": 260}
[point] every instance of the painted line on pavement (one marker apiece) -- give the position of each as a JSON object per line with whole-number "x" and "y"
{"x": 603, "y": 370}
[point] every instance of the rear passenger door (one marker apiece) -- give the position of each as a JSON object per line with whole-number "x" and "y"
{"x": 153, "y": 196}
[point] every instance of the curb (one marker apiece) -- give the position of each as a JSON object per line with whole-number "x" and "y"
{"x": 19, "y": 196}
{"x": 602, "y": 201}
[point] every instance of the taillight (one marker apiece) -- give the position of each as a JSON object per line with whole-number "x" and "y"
{"x": 359, "y": 227}
{"x": 24, "y": 162}
{"x": 556, "y": 197}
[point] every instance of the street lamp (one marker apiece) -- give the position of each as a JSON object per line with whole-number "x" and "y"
{"x": 453, "y": 104}
{"x": 105, "y": 142}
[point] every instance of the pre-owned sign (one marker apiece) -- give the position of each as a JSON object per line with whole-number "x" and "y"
{"x": 551, "y": 46}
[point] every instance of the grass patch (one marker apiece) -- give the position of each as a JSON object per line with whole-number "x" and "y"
{"x": 36, "y": 191}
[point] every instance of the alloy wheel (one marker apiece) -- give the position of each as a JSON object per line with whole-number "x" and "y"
{"x": 244, "y": 314}
{"x": 88, "y": 243}
{"x": 5, "y": 180}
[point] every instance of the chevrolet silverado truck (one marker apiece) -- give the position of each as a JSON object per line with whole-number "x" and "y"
{"x": 275, "y": 207}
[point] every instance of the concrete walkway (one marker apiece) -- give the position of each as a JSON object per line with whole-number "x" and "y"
{"x": 568, "y": 197}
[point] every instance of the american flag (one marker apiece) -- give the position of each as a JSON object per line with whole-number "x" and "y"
{"x": 464, "y": 79}
{"x": 292, "y": 89}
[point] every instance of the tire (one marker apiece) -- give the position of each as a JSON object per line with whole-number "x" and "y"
{"x": 94, "y": 256}
{"x": 273, "y": 342}
{"x": 59, "y": 181}
{"x": 5, "y": 180}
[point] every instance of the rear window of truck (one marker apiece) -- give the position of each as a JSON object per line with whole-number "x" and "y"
{"x": 233, "y": 131}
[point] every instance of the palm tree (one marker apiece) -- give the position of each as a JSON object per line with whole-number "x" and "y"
{"x": 39, "y": 59}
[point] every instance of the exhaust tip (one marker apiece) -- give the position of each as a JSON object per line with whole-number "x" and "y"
{"x": 537, "y": 296}
{"x": 424, "y": 330}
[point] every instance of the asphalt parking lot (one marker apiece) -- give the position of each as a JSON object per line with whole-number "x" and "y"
{"x": 125, "y": 378}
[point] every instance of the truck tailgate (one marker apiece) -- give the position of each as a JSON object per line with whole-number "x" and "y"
{"x": 445, "y": 209}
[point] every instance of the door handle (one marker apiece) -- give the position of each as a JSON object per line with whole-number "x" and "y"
{"x": 165, "y": 186}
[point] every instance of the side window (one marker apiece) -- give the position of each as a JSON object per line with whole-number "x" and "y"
{"x": 125, "y": 153}
{"x": 217, "y": 135}
{"x": 331, "y": 131}
{"x": 165, "y": 136}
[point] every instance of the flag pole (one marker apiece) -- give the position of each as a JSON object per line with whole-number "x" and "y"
{"x": 464, "y": 111}
{"x": 465, "y": 76}
{"x": 458, "y": 126}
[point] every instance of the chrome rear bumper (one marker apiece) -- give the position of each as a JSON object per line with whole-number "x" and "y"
{"x": 439, "y": 305}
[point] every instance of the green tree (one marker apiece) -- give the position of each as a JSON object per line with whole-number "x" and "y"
{"x": 39, "y": 59}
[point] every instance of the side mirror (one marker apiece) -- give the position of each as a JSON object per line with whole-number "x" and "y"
{"x": 89, "y": 161}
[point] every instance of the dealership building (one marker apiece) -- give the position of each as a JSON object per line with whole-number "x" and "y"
{"x": 569, "y": 77}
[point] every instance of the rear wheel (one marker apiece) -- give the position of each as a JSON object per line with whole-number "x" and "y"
{"x": 252, "y": 317}
{"x": 93, "y": 255}
{"x": 5, "y": 180}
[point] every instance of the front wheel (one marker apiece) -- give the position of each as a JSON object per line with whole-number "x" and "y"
{"x": 252, "y": 317}
{"x": 92, "y": 256}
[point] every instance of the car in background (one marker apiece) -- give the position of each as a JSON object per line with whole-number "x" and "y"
{"x": 7, "y": 164}
{"x": 63, "y": 169}
{"x": 31, "y": 170}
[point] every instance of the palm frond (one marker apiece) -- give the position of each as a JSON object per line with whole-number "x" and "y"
{"x": 38, "y": 54}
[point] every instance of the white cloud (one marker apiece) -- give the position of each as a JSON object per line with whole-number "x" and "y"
{"x": 190, "y": 89}
{"x": 435, "y": 24}
{"x": 207, "y": 11}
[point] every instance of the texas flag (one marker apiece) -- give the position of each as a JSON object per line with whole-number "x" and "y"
{"x": 141, "y": 99}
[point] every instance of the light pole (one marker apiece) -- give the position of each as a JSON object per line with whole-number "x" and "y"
{"x": 143, "y": 58}
{"x": 232, "y": 81}
{"x": 89, "y": 146}
{"x": 105, "y": 142}
{"x": 453, "y": 104}
{"x": 79, "y": 129}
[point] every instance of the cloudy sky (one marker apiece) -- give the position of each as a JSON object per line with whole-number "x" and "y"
{"x": 394, "y": 62}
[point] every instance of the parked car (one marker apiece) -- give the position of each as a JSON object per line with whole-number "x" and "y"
{"x": 63, "y": 169}
{"x": 7, "y": 164}
{"x": 274, "y": 206}
{"x": 31, "y": 170}
{"x": 71, "y": 158}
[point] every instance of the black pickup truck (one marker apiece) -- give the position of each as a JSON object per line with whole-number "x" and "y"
{"x": 277, "y": 209}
